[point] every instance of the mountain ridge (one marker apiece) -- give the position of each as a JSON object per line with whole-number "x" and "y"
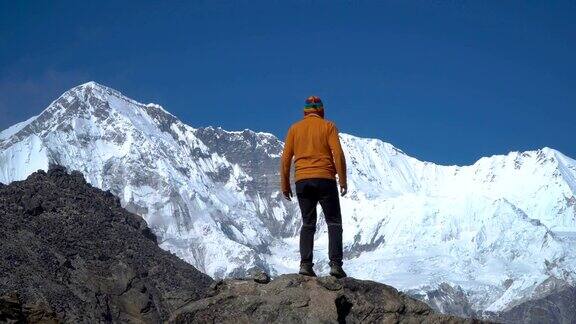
{"x": 95, "y": 85}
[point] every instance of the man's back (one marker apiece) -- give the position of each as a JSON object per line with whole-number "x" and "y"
{"x": 315, "y": 146}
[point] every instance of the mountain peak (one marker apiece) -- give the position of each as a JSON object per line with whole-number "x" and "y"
{"x": 97, "y": 102}
{"x": 91, "y": 84}
{"x": 90, "y": 87}
{"x": 93, "y": 88}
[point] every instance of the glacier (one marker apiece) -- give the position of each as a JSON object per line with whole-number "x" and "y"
{"x": 499, "y": 230}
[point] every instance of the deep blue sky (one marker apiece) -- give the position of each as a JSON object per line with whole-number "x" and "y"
{"x": 446, "y": 81}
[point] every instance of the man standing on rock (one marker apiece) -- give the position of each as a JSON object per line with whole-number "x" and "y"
{"x": 318, "y": 157}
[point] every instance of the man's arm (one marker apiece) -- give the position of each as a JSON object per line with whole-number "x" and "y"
{"x": 339, "y": 158}
{"x": 286, "y": 163}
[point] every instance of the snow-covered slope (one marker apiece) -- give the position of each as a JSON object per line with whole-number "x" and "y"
{"x": 212, "y": 197}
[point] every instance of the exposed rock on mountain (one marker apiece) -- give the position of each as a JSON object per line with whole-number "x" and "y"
{"x": 298, "y": 299}
{"x": 447, "y": 300}
{"x": 557, "y": 307}
{"x": 70, "y": 252}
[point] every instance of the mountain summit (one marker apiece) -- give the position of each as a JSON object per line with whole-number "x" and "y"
{"x": 488, "y": 236}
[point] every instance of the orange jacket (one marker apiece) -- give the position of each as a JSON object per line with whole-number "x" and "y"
{"x": 315, "y": 146}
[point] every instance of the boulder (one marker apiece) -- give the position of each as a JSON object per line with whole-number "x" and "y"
{"x": 294, "y": 298}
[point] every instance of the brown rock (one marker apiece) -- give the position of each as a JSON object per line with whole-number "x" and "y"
{"x": 12, "y": 311}
{"x": 299, "y": 299}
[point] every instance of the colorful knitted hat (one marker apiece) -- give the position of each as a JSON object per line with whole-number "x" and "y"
{"x": 313, "y": 104}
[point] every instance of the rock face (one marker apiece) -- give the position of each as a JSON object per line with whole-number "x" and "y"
{"x": 447, "y": 300}
{"x": 294, "y": 298}
{"x": 13, "y": 311}
{"x": 69, "y": 252}
{"x": 557, "y": 307}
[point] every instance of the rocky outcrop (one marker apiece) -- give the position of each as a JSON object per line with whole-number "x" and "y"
{"x": 69, "y": 252}
{"x": 298, "y": 299}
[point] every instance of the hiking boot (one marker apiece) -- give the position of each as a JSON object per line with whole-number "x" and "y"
{"x": 337, "y": 271}
{"x": 306, "y": 269}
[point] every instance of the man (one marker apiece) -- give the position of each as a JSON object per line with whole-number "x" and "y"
{"x": 318, "y": 157}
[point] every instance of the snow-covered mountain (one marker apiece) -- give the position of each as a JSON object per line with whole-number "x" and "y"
{"x": 492, "y": 235}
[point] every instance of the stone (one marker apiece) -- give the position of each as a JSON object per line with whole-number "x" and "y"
{"x": 259, "y": 276}
{"x": 294, "y": 298}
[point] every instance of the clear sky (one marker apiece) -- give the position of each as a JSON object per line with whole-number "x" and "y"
{"x": 445, "y": 81}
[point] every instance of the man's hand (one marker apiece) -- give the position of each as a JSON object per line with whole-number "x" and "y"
{"x": 343, "y": 191}
{"x": 288, "y": 194}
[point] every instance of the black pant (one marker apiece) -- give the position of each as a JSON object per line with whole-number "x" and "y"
{"x": 310, "y": 192}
